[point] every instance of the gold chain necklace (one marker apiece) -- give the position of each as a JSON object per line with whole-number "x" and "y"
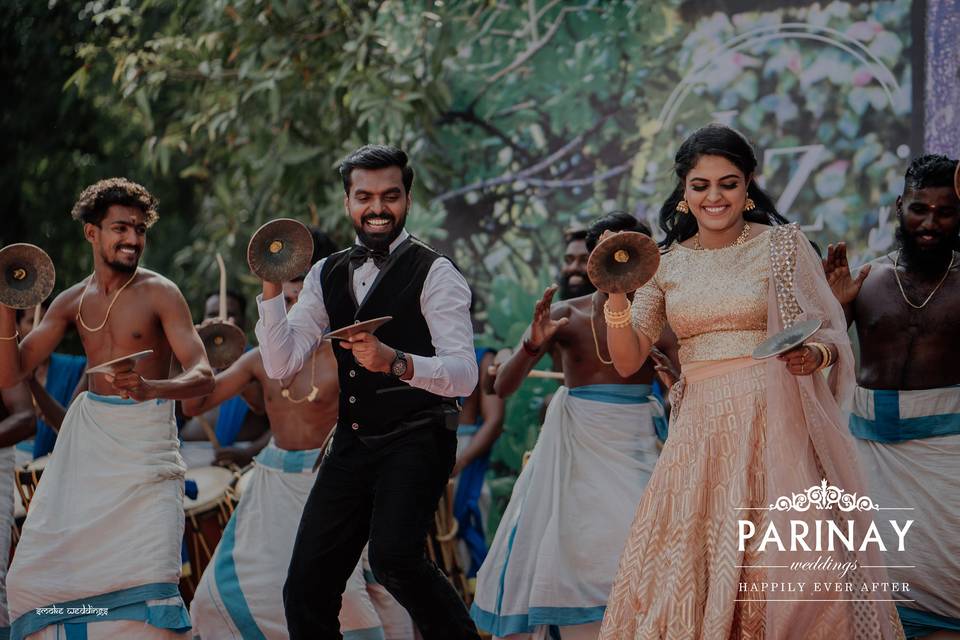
{"x": 593, "y": 329}
{"x": 740, "y": 238}
{"x": 896, "y": 274}
{"x": 310, "y": 397}
{"x": 109, "y": 308}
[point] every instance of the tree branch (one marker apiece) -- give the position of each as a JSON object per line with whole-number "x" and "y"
{"x": 471, "y": 117}
{"x": 529, "y": 171}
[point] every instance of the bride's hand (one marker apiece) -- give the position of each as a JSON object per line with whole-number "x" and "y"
{"x": 802, "y": 361}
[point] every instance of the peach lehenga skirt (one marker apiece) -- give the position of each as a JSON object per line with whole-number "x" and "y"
{"x": 680, "y": 570}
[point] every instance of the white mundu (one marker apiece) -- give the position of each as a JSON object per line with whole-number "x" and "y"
{"x": 555, "y": 554}
{"x": 240, "y": 595}
{"x": 105, "y": 527}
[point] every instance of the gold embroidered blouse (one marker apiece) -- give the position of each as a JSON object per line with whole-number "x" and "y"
{"x": 714, "y": 299}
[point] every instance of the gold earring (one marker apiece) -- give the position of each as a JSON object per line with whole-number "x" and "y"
{"x": 749, "y": 205}
{"x": 683, "y": 207}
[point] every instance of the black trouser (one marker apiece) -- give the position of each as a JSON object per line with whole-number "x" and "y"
{"x": 388, "y": 495}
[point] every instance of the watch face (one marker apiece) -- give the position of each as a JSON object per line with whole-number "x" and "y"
{"x": 399, "y": 366}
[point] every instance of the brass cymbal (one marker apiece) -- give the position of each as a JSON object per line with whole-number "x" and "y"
{"x": 224, "y": 343}
{"x": 280, "y": 250}
{"x": 368, "y": 326}
{"x": 787, "y": 339}
{"x": 624, "y": 262}
{"x": 27, "y": 275}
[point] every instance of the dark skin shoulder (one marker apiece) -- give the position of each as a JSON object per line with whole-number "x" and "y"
{"x": 295, "y": 425}
{"x": 902, "y": 347}
{"x": 580, "y": 353}
{"x": 566, "y": 325}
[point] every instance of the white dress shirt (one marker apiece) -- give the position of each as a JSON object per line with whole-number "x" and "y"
{"x": 287, "y": 339}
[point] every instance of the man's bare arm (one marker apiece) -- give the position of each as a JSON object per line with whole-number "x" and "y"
{"x": 227, "y": 384}
{"x": 540, "y": 335}
{"x": 19, "y": 361}
{"x": 197, "y": 377}
{"x": 22, "y": 422}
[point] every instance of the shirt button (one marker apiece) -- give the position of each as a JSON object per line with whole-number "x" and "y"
{"x": 352, "y": 399}
{"x": 354, "y": 426}
{"x": 353, "y": 374}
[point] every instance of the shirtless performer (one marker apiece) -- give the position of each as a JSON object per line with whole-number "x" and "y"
{"x": 105, "y": 526}
{"x": 241, "y": 593}
{"x": 595, "y": 452}
{"x": 906, "y": 413}
{"x": 239, "y": 423}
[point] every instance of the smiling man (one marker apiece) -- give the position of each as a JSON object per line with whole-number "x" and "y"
{"x": 906, "y": 412}
{"x": 105, "y": 525}
{"x": 395, "y": 439}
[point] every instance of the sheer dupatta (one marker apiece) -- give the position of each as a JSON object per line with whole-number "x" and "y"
{"x": 812, "y": 463}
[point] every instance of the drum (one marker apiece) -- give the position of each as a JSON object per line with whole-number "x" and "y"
{"x": 206, "y": 516}
{"x": 27, "y": 478}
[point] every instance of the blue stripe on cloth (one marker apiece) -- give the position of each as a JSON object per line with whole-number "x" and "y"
{"x": 917, "y": 624}
{"x": 888, "y": 426}
{"x": 228, "y": 582}
{"x": 371, "y": 633}
{"x": 537, "y": 616}
{"x": 614, "y": 393}
{"x": 287, "y": 461}
{"x": 76, "y": 631}
{"x": 468, "y": 429}
{"x": 110, "y": 399}
{"x": 493, "y": 622}
{"x": 125, "y": 604}
{"x": 4, "y": 633}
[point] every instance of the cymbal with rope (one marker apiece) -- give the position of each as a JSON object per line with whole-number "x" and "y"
{"x": 27, "y": 275}
{"x": 623, "y": 262}
{"x": 280, "y": 250}
{"x": 223, "y": 341}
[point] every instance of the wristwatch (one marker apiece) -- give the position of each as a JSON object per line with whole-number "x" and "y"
{"x": 399, "y": 366}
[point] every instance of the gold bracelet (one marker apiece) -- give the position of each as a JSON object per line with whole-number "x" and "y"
{"x": 619, "y": 325}
{"x": 610, "y": 314}
{"x": 824, "y": 354}
{"x": 616, "y": 319}
{"x": 831, "y": 359}
{"x": 16, "y": 334}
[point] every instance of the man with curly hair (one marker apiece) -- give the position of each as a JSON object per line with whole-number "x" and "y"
{"x": 100, "y": 551}
{"x": 906, "y": 413}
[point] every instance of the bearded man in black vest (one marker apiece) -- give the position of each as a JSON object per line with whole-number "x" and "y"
{"x": 395, "y": 440}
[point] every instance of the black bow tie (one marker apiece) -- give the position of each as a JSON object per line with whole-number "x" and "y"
{"x": 361, "y": 253}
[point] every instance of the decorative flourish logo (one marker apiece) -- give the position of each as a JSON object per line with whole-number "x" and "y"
{"x": 824, "y": 496}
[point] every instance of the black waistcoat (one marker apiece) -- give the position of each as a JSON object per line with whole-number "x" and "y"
{"x": 376, "y": 404}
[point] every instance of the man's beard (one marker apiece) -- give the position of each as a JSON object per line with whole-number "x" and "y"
{"x": 380, "y": 242}
{"x": 929, "y": 261}
{"x": 568, "y": 290}
{"x": 122, "y": 267}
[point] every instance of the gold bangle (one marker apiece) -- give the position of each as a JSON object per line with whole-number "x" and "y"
{"x": 16, "y": 334}
{"x": 619, "y": 325}
{"x": 610, "y": 314}
{"x": 831, "y": 360}
{"x": 824, "y": 354}
{"x": 616, "y": 319}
